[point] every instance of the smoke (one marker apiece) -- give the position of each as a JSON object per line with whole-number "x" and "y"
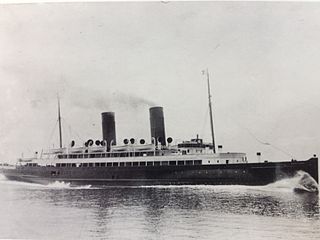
{"x": 131, "y": 100}
{"x": 85, "y": 98}
{"x": 107, "y": 100}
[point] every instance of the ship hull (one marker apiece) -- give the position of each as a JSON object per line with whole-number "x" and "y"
{"x": 223, "y": 174}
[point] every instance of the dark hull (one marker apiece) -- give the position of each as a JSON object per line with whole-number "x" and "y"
{"x": 226, "y": 174}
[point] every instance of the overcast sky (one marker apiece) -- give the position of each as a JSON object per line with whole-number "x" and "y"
{"x": 263, "y": 59}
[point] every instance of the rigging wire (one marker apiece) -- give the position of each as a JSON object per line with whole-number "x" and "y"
{"x": 258, "y": 139}
{"x": 51, "y": 134}
{"x": 267, "y": 143}
{"x": 204, "y": 123}
{"x": 72, "y": 131}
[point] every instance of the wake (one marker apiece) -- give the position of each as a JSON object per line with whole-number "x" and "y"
{"x": 301, "y": 182}
{"x": 54, "y": 185}
{"x": 2, "y": 178}
{"x": 66, "y": 185}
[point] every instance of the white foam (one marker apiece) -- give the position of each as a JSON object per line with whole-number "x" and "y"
{"x": 54, "y": 185}
{"x": 2, "y": 177}
{"x": 300, "y": 181}
{"x": 66, "y": 185}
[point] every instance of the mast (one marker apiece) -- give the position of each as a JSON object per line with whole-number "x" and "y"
{"x": 59, "y": 119}
{"x": 210, "y": 111}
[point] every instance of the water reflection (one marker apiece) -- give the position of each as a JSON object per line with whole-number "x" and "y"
{"x": 154, "y": 201}
{"x": 182, "y": 212}
{"x": 185, "y": 212}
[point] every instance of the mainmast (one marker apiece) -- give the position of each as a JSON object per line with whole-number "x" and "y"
{"x": 210, "y": 111}
{"x": 59, "y": 119}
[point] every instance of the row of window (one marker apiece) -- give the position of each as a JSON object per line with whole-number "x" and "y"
{"x": 194, "y": 145}
{"x": 129, "y": 164}
{"x": 32, "y": 164}
{"x": 123, "y": 164}
{"x": 107, "y": 155}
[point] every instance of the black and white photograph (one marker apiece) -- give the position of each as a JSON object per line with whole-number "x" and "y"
{"x": 151, "y": 120}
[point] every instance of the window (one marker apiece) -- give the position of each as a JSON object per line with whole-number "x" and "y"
{"x": 156, "y": 163}
{"x": 121, "y": 164}
{"x": 172, "y": 163}
{"x": 109, "y": 164}
{"x": 73, "y": 165}
{"x": 135, "y": 163}
{"x": 58, "y": 164}
{"x": 103, "y": 164}
{"x": 63, "y": 164}
{"x": 97, "y": 164}
{"x": 189, "y": 162}
{"x": 149, "y": 163}
{"x": 142, "y": 163}
{"x": 197, "y": 162}
{"x": 164, "y": 163}
{"x": 85, "y": 164}
{"x": 91, "y": 164}
{"x": 180, "y": 162}
{"x": 128, "y": 163}
{"x": 115, "y": 164}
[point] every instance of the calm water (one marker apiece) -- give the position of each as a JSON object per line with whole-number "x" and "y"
{"x": 58, "y": 211}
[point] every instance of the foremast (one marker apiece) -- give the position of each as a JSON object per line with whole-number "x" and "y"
{"x": 210, "y": 112}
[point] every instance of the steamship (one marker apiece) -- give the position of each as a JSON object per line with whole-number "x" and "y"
{"x": 159, "y": 162}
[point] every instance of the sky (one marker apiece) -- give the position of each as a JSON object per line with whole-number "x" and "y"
{"x": 263, "y": 60}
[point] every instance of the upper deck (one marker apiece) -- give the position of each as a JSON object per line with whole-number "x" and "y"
{"x": 193, "y": 150}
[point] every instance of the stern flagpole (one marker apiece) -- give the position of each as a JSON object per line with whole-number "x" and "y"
{"x": 59, "y": 119}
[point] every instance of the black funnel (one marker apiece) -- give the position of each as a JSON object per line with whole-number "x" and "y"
{"x": 157, "y": 125}
{"x": 108, "y": 128}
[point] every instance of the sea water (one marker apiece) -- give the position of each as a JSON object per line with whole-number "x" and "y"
{"x": 61, "y": 211}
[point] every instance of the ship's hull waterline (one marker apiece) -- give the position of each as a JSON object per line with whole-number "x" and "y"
{"x": 220, "y": 174}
